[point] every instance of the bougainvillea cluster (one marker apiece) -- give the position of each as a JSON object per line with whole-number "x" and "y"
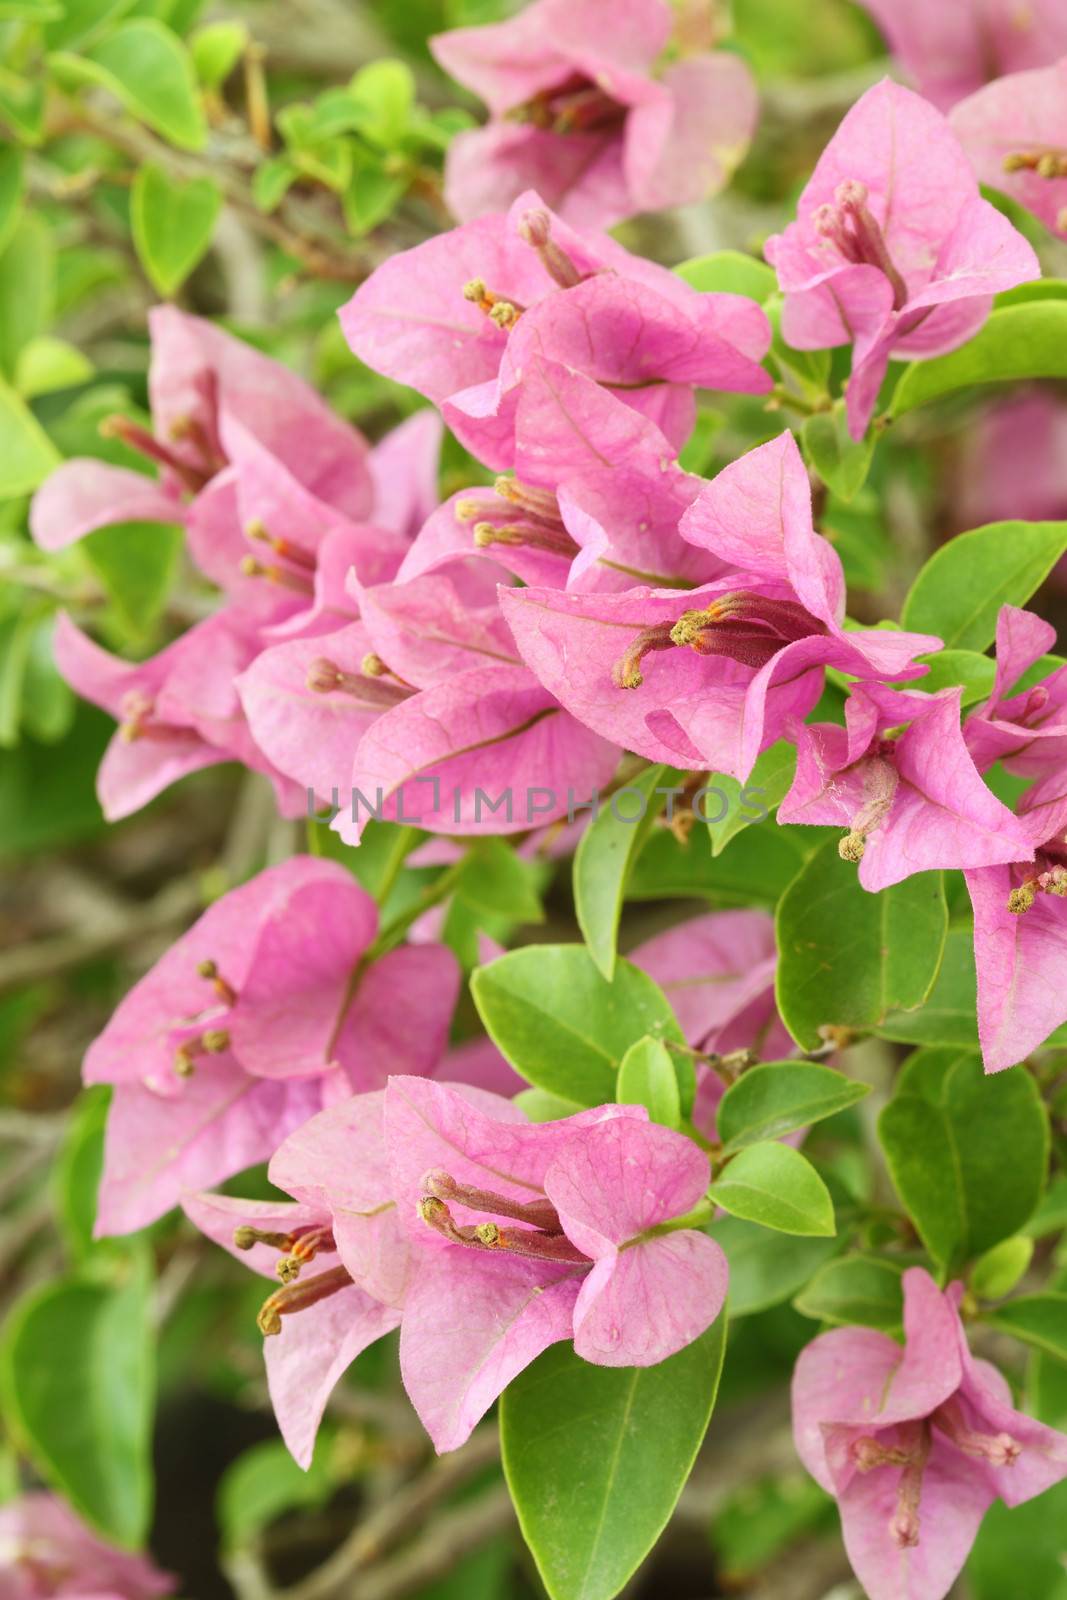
{"x": 506, "y": 660}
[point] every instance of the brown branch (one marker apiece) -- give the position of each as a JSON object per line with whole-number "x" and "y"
{"x": 294, "y": 227}
{"x": 394, "y": 1520}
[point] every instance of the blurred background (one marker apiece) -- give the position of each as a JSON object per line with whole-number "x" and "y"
{"x": 294, "y": 199}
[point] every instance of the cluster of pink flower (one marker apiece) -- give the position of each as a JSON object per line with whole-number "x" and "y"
{"x": 597, "y": 598}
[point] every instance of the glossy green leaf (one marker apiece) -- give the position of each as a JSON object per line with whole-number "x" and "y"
{"x": 841, "y": 462}
{"x": 77, "y": 1383}
{"x": 216, "y": 49}
{"x": 10, "y": 190}
{"x": 562, "y": 1024}
{"x": 856, "y": 1289}
{"x": 494, "y": 880}
{"x": 767, "y": 1268}
{"x": 1017, "y": 342}
{"x": 948, "y": 668}
{"x": 172, "y": 224}
{"x": 946, "y": 1150}
{"x": 729, "y": 272}
{"x": 996, "y": 1273}
{"x": 777, "y": 1097}
{"x": 776, "y": 1186}
{"x": 136, "y": 563}
{"x": 1037, "y": 1319}
{"x": 263, "y": 1483}
{"x": 847, "y": 958}
{"x": 27, "y": 288}
{"x": 596, "y": 1457}
{"x": 605, "y": 856}
{"x": 149, "y": 69}
{"x": 28, "y": 455}
{"x": 647, "y": 1077}
{"x": 735, "y": 806}
{"x": 959, "y": 592}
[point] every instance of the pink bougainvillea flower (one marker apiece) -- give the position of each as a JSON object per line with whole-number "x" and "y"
{"x": 305, "y": 1355}
{"x": 709, "y": 677}
{"x": 177, "y": 712}
{"x": 524, "y": 1234}
{"x": 1026, "y": 731}
{"x": 955, "y": 46}
{"x": 45, "y": 1551}
{"x": 577, "y": 112}
{"x": 911, "y": 803}
{"x": 1015, "y": 132}
{"x": 894, "y": 251}
{"x": 460, "y": 317}
{"x": 1020, "y": 933}
{"x": 595, "y": 502}
{"x": 1013, "y": 462}
{"x": 252, "y": 1022}
{"x": 915, "y": 1444}
{"x": 200, "y": 381}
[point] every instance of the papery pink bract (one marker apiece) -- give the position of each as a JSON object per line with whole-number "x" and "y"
{"x": 1025, "y": 731}
{"x": 624, "y": 322}
{"x": 772, "y": 624}
{"x": 913, "y": 803}
{"x": 45, "y": 1551}
{"x": 1015, "y": 133}
{"x": 858, "y": 1399}
{"x": 893, "y": 251}
{"x": 314, "y": 1348}
{"x": 1020, "y": 933}
{"x": 577, "y": 113}
{"x": 953, "y": 47}
{"x": 248, "y": 1025}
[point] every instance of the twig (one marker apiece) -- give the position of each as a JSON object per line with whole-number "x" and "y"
{"x": 44, "y": 958}
{"x": 407, "y": 1509}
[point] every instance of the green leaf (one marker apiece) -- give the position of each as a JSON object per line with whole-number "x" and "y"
{"x": 136, "y": 563}
{"x": 272, "y": 181}
{"x": 28, "y": 455}
{"x": 172, "y": 224}
{"x": 27, "y": 288}
{"x": 949, "y": 1017}
{"x": 1037, "y": 1319}
{"x": 968, "y": 1156}
{"x": 77, "y": 1172}
{"x": 10, "y": 190}
{"x": 77, "y": 1384}
{"x": 776, "y": 1186}
{"x": 47, "y": 364}
{"x": 647, "y": 1078}
{"x": 385, "y": 91}
{"x": 951, "y": 667}
{"x": 1017, "y": 342}
{"x": 148, "y": 68}
{"x": 372, "y": 192}
{"x": 264, "y": 1482}
{"x": 841, "y": 463}
{"x": 605, "y": 857}
{"x": 729, "y": 272}
{"x": 847, "y": 958}
{"x": 748, "y": 804}
{"x": 995, "y": 1274}
{"x": 216, "y": 50}
{"x": 493, "y": 880}
{"x": 562, "y": 1024}
{"x": 959, "y": 592}
{"x": 596, "y": 1457}
{"x": 857, "y": 1289}
{"x": 767, "y": 1268}
{"x": 777, "y": 1097}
